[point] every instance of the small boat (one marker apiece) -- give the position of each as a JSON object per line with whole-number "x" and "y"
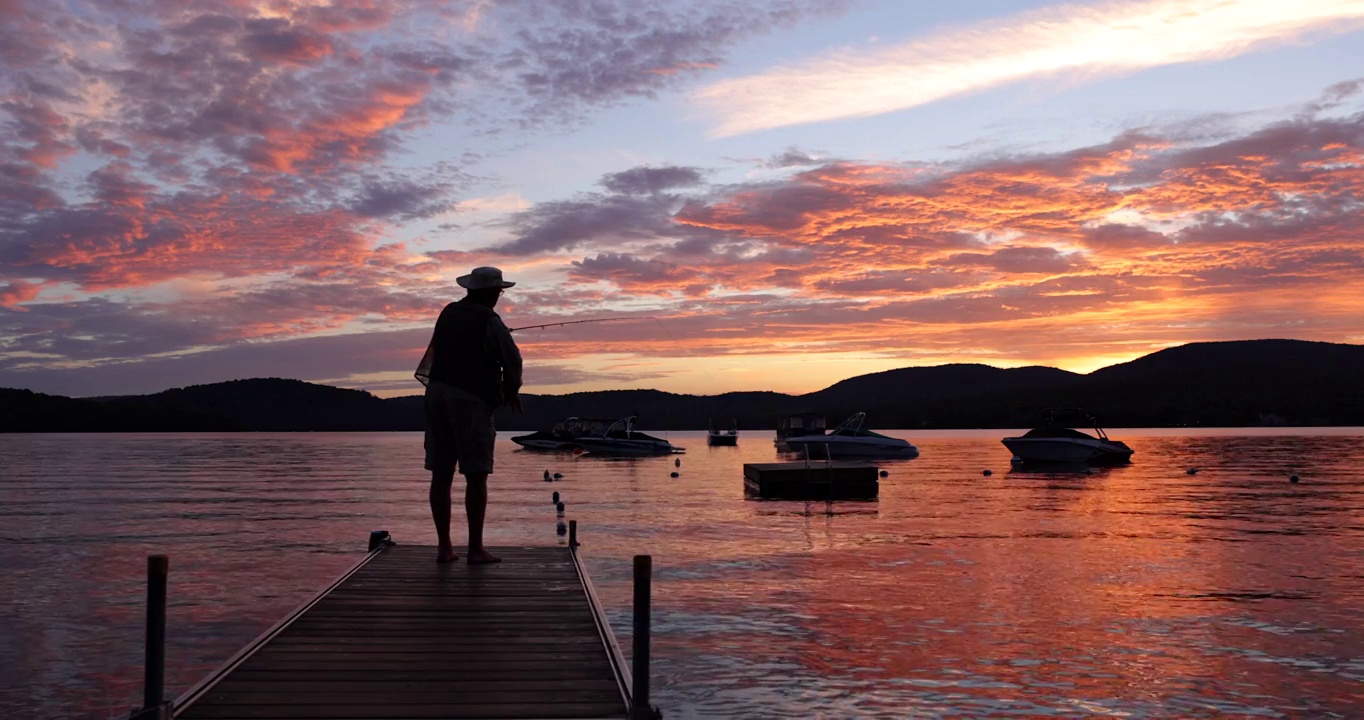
{"x": 1059, "y": 442}
{"x": 620, "y": 438}
{"x": 725, "y": 433}
{"x": 798, "y": 424}
{"x": 563, "y": 437}
{"x": 849, "y": 440}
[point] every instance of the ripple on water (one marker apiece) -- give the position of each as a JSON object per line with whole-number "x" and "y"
{"x": 1136, "y": 591}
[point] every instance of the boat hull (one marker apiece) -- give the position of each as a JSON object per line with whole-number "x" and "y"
{"x": 819, "y": 447}
{"x": 1067, "y": 450}
{"x": 615, "y": 446}
{"x": 722, "y": 440}
{"x": 545, "y": 444}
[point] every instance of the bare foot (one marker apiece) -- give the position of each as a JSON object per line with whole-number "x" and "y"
{"x": 482, "y": 557}
{"x": 446, "y": 554}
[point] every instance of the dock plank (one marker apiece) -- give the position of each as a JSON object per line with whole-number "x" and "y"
{"x": 410, "y": 712}
{"x": 404, "y": 637}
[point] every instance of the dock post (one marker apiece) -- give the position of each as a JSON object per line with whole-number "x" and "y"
{"x": 154, "y": 680}
{"x": 573, "y": 534}
{"x": 154, "y": 687}
{"x": 639, "y": 700}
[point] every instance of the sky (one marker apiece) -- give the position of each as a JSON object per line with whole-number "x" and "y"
{"x": 762, "y": 194}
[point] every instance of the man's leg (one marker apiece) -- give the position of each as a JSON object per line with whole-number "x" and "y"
{"x": 440, "y": 513}
{"x": 476, "y": 506}
{"x": 441, "y": 458}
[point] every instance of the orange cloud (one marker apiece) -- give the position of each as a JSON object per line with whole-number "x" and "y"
{"x": 17, "y": 291}
{"x": 1106, "y": 252}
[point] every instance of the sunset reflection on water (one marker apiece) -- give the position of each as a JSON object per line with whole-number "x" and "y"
{"x": 1138, "y": 591}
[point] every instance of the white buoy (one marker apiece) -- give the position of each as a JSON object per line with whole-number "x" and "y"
{"x": 561, "y": 528}
{"x": 559, "y": 508}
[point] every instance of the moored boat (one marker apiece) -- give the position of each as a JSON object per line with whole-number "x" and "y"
{"x": 564, "y": 436}
{"x": 850, "y": 440}
{"x": 620, "y": 438}
{"x": 1059, "y": 442}
{"x": 725, "y": 432}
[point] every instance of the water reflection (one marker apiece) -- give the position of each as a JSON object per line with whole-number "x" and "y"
{"x": 1138, "y": 590}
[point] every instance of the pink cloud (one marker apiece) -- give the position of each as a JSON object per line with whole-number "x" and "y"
{"x": 252, "y": 148}
{"x": 17, "y": 291}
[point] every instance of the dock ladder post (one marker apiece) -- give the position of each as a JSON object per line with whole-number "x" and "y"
{"x": 154, "y": 705}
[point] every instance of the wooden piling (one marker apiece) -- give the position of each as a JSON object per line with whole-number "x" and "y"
{"x": 154, "y": 668}
{"x": 639, "y": 697}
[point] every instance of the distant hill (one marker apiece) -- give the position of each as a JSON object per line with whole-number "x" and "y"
{"x": 275, "y": 404}
{"x": 918, "y": 395}
{"x": 1254, "y": 382}
{"x": 1259, "y": 382}
{"x": 25, "y": 411}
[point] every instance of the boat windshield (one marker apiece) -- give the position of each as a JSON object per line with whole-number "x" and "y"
{"x": 859, "y": 432}
{"x": 622, "y": 428}
{"x": 1057, "y": 432}
{"x": 582, "y": 426}
{"x": 1055, "y": 423}
{"x": 852, "y": 427}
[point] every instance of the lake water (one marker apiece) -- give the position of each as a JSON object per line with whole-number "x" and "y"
{"x": 1138, "y": 591}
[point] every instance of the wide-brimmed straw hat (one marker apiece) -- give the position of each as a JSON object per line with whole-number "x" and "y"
{"x": 483, "y": 277}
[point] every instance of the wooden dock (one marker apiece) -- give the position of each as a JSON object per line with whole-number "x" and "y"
{"x": 817, "y": 480}
{"x": 399, "y": 636}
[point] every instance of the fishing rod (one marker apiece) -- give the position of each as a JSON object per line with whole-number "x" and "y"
{"x": 576, "y": 322}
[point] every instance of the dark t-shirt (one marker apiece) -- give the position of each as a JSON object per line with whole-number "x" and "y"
{"x": 472, "y": 349}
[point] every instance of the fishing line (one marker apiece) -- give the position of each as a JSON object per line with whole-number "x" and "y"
{"x": 578, "y": 322}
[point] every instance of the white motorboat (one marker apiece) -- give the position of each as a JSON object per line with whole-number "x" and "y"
{"x": 620, "y": 438}
{"x": 563, "y": 436}
{"x": 1058, "y": 442}
{"x": 849, "y": 440}
{"x": 726, "y": 433}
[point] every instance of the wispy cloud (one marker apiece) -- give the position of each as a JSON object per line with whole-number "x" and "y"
{"x": 1078, "y": 42}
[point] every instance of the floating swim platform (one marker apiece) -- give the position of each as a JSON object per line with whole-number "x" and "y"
{"x": 830, "y": 480}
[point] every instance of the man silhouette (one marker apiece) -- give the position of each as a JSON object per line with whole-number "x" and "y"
{"x": 471, "y": 367}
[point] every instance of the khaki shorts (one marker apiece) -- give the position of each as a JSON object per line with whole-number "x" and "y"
{"x": 459, "y": 429}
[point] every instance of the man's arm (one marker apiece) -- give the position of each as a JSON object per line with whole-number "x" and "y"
{"x": 510, "y": 356}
